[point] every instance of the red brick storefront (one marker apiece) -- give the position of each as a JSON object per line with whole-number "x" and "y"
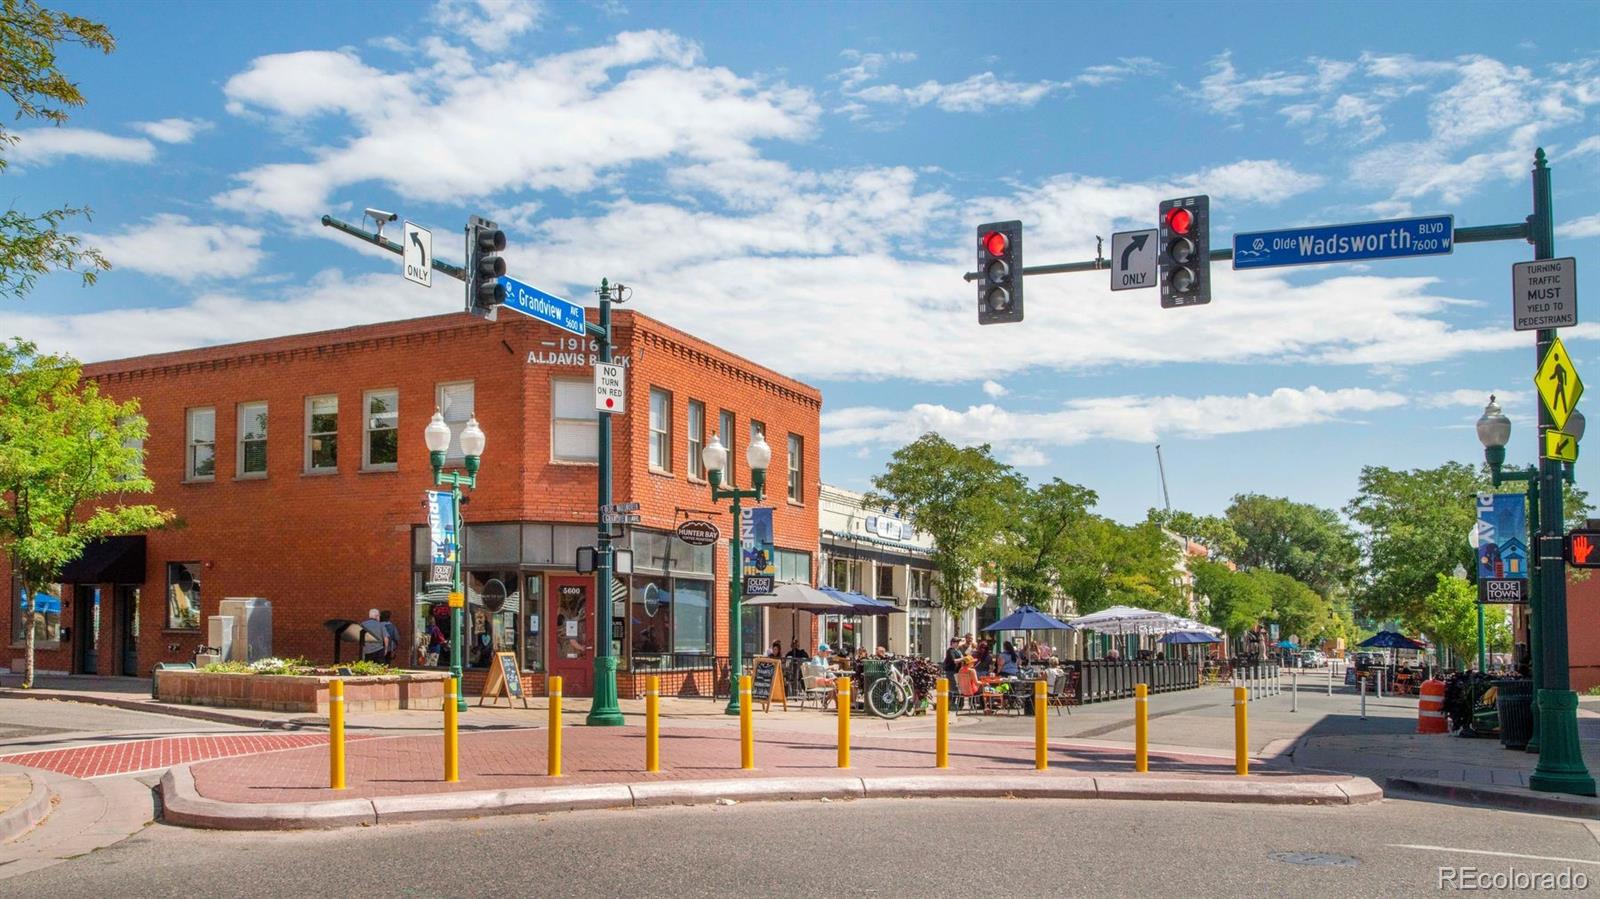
{"x": 323, "y": 514}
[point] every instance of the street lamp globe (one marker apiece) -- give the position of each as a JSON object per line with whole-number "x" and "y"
{"x": 1575, "y": 425}
{"x": 437, "y": 435}
{"x": 472, "y": 438}
{"x": 759, "y": 455}
{"x": 714, "y": 456}
{"x": 1494, "y": 428}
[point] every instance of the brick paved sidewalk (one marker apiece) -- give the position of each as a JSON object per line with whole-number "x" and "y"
{"x": 163, "y": 752}
{"x": 413, "y": 765}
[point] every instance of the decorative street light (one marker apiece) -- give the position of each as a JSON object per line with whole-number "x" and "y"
{"x": 473, "y": 439}
{"x": 715, "y": 456}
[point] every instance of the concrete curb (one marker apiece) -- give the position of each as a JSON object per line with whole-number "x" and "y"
{"x": 183, "y": 805}
{"x": 22, "y": 817}
{"x": 173, "y": 710}
{"x": 1516, "y": 799}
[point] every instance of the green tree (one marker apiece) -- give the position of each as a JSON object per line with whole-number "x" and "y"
{"x": 1450, "y": 618}
{"x": 1214, "y": 531}
{"x": 68, "y": 459}
{"x": 1234, "y": 601}
{"x": 1113, "y": 564}
{"x": 32, "y": 244}
{"x": 1298, "y": 610}
{"x": 962, "y": 497}
{"x": 1306, "y": 542}
{"x": 1045, "y": 537}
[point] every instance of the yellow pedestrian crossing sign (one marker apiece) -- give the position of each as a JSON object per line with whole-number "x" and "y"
{"x": 1558, "y": 384}
{"x": 1560, "y": 446}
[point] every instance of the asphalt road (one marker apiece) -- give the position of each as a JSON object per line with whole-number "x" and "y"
{"x": 868, "y": 848}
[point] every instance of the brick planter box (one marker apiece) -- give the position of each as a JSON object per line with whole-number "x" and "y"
{"x": 294, "y": 693}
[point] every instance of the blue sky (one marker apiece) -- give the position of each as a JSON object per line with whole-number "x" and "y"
{"x": 800, "y": 183}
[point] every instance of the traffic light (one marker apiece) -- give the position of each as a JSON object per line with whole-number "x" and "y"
{"x": 999, "y": 273}
{"x": 1185, "y": 260}
{"x": 485, "y": 242}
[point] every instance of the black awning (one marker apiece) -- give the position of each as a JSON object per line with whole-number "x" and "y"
{"x": 110, "y": 560}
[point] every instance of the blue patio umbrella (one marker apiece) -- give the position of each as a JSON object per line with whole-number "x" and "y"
{"x": 1288, "y": 644}
{"x": 1027, "y": 618}
{"x": 1190, "y": 637}
{"x": 1390, "y": 640}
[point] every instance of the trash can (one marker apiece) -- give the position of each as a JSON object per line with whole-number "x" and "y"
{"x": 872, "y": 671}
{"x": 1514, "y": 702}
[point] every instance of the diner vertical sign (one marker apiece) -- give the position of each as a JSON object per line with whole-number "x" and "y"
{"x": 755, "y": 533}
{"x": 441, "y": 537}
{"x": 1502, "y": 548}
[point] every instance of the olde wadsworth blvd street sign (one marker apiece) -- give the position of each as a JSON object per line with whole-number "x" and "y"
{"x": 1558, "y": 384}
{"x": 1394, "y": 239}
{"x": 1544, "y": 294}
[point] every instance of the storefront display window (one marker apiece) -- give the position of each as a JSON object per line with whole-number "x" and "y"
{"x": 183, "y": 596}
{"x": 493, "y": 602}
{"x": 533, "y": 619}
{"x": 650, "y": 615}
{"x": 691, "y": 616}
{"x": 46, "y": 614}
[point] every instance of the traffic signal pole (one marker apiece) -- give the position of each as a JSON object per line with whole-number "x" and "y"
{"x": 603, "y": 709}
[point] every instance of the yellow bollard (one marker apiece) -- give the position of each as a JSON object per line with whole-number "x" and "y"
{"x": 452, "y": 749}
{"x": 554, "y": 751}
{"x": 747, "y": 731}
{"x": 1141, "y": 727}
{"x": 1041, "y": 724}
{"x": 844, "y": 722}
{"x": 336, "y": 735}
{"x": 1241, "y": 748}
{"x": 941, "y": 705}
{"x": 652, "y": 726}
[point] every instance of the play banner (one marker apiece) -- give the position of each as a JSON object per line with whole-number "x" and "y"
{"x": 1502, "y": 548}
{"x": 760, "y": 561}
{"x": 442, "y": 544}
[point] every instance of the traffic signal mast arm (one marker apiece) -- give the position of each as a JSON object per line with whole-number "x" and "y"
{"x": 1479, "y": 234}
{"x": 456, "y": 272}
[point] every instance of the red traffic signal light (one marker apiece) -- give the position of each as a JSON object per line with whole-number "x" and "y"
{"x": 1180, "y": 220}
{"x": 1000, "y": 268}
{"x": 995, "y": 243}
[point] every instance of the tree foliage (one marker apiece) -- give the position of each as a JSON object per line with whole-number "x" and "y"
{"x": 69, "y": 458}
{"x": 1305, "y": 542}
{"x": 1450, "y": 618}
{"x": 1046, "y": 536}
{"x": 33, "y": 244}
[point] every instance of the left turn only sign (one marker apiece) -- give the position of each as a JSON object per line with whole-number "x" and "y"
{"x": 610, "y": 388}
{"x": 417, "y": 245}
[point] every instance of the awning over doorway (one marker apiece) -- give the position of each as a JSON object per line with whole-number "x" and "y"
{"x": 110, "y": 560}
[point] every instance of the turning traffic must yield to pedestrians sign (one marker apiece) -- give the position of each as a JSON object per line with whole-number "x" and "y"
{"x": 1544, "y": 294}
{"x": 1394, "y": 239}
{"x": 1133, "y": 259}
{"x": 1558, "y": 384}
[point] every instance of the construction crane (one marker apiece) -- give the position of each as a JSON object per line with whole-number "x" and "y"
{"x": 1162, "y": 469}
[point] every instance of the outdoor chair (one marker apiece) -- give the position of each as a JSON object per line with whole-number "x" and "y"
{"x": 967, "y": 686}
{"x": 814, "y": 690}
{"x": 1064, "y": 692}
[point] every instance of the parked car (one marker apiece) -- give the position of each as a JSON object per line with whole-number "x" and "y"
{"x": 1313, "y": 658}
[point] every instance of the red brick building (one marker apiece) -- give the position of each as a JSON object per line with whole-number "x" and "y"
{"x": 297, "y": 467}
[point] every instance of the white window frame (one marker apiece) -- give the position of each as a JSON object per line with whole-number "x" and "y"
{"x": 310, "y": 467}
{"x": 589, "y": 424}
{"x": 797, "y": 486}
{"x": 661, "y": 431}
{"x": 239, "y": 441}
{"x": 189, "y": 443}
{"x": 367, "y": 430}
{"x": 452, "y": 416}
{"x": 696, "y": 439}
{"x": 727, "y": 426}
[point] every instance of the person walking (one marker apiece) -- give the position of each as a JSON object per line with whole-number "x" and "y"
{"x": 391, "y": 633}
{"x": 374, "y": 639}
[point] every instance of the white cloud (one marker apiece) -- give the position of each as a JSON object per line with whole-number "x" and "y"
{"x": 217, "y": 317}
{"x": 174, "y": 130}
{"x": 994, "y": 389}
{"x": 1586, "y": 226}
{"x": 491, "y": 24}
{"x": 1226, "y": 92}
{"x": 973, "y": 94}
{"x": 1471, "y": 397}
{"x": 172, "y": 247}
{"x": 43, "y": 146}
{"x": 1136, "y": 419}
{"x": 642, "y": 97}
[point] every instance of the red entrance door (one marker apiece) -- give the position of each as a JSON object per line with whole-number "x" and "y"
{"x": 572, "y": 633}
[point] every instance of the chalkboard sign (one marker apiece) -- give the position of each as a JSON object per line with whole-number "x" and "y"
{"x": 766, "y": 684}
{"x": 504, "y": 678}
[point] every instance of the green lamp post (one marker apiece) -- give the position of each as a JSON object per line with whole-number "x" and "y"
{"x": 437, "y": 436}
{"x": 715, "y": 456}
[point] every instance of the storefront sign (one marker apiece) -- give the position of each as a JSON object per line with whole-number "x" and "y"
{"x": 571, "y": 351}
{"x": 760, "y": 560}
{"x": 698, "y": 532}
{"x": 1502, "y": 548}
{"x": 441, "y": 536}
{"x": 888, "y": 528}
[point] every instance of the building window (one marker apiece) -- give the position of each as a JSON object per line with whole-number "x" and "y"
{"x": 322, "y": 433}
{"x": 697, "y": 439}
{"x": 252, "y": 440}
{"x": 46, "y": 614}
{"x": 757, "y": 429}
{"x": 201, "y": 464}
{"x": 886, "y": 581}
{"x": 660, "y": 429}
{"x": 183, "y": 596}
{"x": 135, "y": 447}
{"x": 574, "y": 430}
{"x": 652, "y": 620}
{"x": 921, "y": 584}
{"x": 455, "y": 402}
{"x": 844, "y": 574}
{"x": 381, "y": 449}
{"x": 793, "y": 567}
{"x": 796, "y": 488}
{"x": 725, "y": 433}
{"x": 691, "y": 616}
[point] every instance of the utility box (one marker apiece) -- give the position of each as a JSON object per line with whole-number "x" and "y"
{"x": 219, "y": 635}
{"x": 252, "y": 627}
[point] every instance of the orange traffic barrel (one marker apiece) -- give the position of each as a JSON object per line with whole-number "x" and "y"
{"x": 1430, "y": 710}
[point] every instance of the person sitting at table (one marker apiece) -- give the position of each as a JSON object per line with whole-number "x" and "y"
{"x": 1035, "y": 653}
{"x": 795, "y": 652}
{"x": 776, "y": 652}
{"x": 1113, "y": 655}
{"x": 1009, "y": 662}
{"x": 882, "y": 652}
{"x": 980, "y": 657}
{"x": 1053, "y": 672}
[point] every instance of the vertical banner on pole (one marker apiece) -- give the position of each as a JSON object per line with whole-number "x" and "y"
{"x": 1503, "y": 547}
{"x": 760, "y": 559}
{"x": 442, "y": 544}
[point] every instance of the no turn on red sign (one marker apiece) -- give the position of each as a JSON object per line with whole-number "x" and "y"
{"x": 610, "y": 388}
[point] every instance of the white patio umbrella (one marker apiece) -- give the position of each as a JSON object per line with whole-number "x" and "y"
{"x": 1122, "y": 620}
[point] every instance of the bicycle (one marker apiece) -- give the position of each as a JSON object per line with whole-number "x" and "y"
{"x": 893, "y": 694}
